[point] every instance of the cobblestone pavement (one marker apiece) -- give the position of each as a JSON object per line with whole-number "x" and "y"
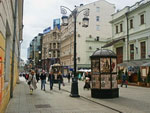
{"x": 132, "y": 100}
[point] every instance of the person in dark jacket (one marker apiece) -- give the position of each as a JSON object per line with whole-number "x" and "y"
{"x": 43, "y": 80}
{"x": 68, "y": 76}
{"x": 51, "y": 80}
{"x": 60, "y": 79}
{"x": 37, "y": 76}
{"x": 124, "y": 79}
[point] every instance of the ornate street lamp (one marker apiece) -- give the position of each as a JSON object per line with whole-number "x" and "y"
{"x": 64, "y": 20}
{"x": 74, "y": 13}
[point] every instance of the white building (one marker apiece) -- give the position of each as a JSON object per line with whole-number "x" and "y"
{"x": 90, "y": 38}
{"x": 131, "y": 33}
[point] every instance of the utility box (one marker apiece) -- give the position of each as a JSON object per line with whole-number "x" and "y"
{"x": 104, "y": 74}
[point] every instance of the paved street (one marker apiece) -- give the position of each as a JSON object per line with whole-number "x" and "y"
{"x": 132, "y": 100}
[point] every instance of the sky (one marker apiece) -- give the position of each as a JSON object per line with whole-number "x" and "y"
{"x": 39, "y": 14}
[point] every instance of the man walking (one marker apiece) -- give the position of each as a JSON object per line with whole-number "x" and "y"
{"x": 51, "y": 80}
{"x": 43, "y": 80}
{"x": 124, "y": 80}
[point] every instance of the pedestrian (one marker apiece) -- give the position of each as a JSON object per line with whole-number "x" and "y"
{"x": 124, "y": 79}
{"x": 27, "y": 76}
{"x": 32, "y": 82}
{"x": 37, "y": 76}
{"x": 79, "y": 76}
{"x": 87, "y": 82}
{"x": 68, "y": 76}
{"x": 43, "y": 80}
{"x": 51, "y": 80}
{"x": 60, "y": 80}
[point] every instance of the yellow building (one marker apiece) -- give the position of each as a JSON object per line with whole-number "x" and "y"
{"x": 11, "y": 25}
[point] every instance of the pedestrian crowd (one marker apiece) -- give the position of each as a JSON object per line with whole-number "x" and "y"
{"x": 33, "y": 77}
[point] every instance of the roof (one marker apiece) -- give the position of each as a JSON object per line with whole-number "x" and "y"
{"x": 134, "y": 63}
{"x": 113, "y": 42}
{"x": 103, "y": 53}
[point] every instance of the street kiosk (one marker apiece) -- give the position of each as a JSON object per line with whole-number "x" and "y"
{"x": 104, "y": 74}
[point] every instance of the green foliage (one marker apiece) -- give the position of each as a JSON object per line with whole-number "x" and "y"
{"x": 127, "y": 77}
{"x": 139, "y": 76}
{"x": 119, "y": 75}
{"x": 148, "y": 77}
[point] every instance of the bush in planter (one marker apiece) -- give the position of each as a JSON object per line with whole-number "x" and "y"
{"x": 139, "y": 77}
{"x": 119, "y": 75}
{"x": 127, "y": 77}
{"x": 148, "y": 77}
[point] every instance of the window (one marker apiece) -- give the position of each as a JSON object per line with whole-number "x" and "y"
{"x": 50, "y": 45}
{"x": 142, "y": 19}
{"x": 78, "y": 35}
{"x": 54, "y": 45}
{"x": 58, "y": 45}
{"x": 116, "y": 29}
{"x": 121, "y": 29}
{"x": 132, "y": 52}
{"x": 97, "y": 38}
{"x": 131, "y": 23}
{"x": 97, "y": 27}
{"x": 58, "y": 53}
{"x": 97, "y": 9}
{"x": 143, "y": 50}
{"x": 90, "y": 36}
{"x": 54, "y": 54}
{"x": 97, "y": 18}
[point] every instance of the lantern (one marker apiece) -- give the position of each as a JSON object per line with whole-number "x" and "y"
{"x": 85, "y": 22}
{"x": 64, "y": 20}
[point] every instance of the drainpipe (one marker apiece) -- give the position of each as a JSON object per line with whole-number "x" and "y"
{"x": 127, "y": 36}
{"x": 13, "y": 49}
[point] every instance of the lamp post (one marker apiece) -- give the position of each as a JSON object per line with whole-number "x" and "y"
{"x": 75, "y": 13}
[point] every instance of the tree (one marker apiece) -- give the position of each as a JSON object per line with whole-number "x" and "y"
{"x": 139, "y": 76}
{"x": 119, "y": 75}
{"x": 127, "y": 77}
{"x": 148, "y": 77}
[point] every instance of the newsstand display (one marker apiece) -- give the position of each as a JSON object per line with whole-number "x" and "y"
{"x": 104, "y": 74}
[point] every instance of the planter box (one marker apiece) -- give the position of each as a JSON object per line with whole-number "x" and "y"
{"x": 148, "y": 84}
{"x": 119, "y": 81}
{"x": 139, "y": 83}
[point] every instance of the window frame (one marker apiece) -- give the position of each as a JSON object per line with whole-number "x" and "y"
{"x": 143, "y": 50}
{"x": 98, "y": 27}
{"x": 132, "y": 53}
{"x": 142, "y": 19}
{"x": 97, "y": 18}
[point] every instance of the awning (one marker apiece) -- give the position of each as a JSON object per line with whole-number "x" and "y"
{"x": 146, "y": 64}
{"x": 134, "y": 63}
{"x": 113, "y": 42}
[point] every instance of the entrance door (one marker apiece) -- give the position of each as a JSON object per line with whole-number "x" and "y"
{"x": 119, "y": 52}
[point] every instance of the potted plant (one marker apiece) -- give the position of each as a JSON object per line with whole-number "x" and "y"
{"x": 127, "y": 77}
{"x": 148, "y": 78}
{"x": 139, "y": 78}
{"x": 119, "y": 76}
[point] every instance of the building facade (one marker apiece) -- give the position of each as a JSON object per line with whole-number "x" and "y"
{"x": 34, "y": 52}
{"x": 51, "y": 48}
{"x": 90, "y": 38}
{"x": 131, "y": 38}
{"x": 11, "y": 25}
{"x": 131, "y": 33}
